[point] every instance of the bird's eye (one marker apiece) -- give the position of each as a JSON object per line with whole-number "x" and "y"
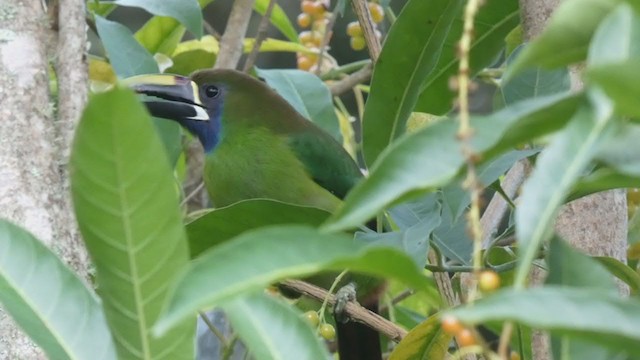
{"x": 211, "y": 91}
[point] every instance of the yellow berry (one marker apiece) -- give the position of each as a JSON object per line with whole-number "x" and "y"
{"x": 305, "y": 63}
{"x": 451, "y": 325}
{"x": 633, "y": 196}
{"x": 327, "y": 331}
{"x": 307, "y": 7}
{"x": 488, "y": 281}
{"x": 305, "y": 37}
{"x": 318, "y": 9}
{"x": 465, "y": 338}
{"x": 312, "y": 318}
{"x": 357, "y": 43}
{"x": 377, "y": 13}
{"x": 304, "y": 20}
{"x": 354, "y": 29}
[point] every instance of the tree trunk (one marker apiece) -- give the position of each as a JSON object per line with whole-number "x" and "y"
{"x": 33, "y": 143}
{"x": 596, "y": 224}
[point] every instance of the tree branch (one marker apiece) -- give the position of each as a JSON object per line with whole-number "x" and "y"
{"x": 368, "y": 28}
{"x": 231, "y": 42}
{"x": 353, "y": 310}
{"x": 352, "y": 80}
{"x": 260, "y": 36}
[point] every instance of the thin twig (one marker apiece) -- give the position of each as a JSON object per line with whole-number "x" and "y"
{"x": 361, "y": 9}
{"x": 352, "y": 80}
{"x": 231, "y": 43}
{"x": 192, "y": 194}
{"x": 263, "y": 29}
{"x": 340, "y": 71}
{"x": 398, "y": 298}
{"x": 210, "y": 30}
{"x": 353, "y": 310}
{"x": 213, "y": 329}
{"x": 328, "y": 32}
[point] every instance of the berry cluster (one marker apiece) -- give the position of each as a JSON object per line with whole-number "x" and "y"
{"x": 314, "y": 16}
{"x": 355, "y": 31}
{"x": 327, "y": 331}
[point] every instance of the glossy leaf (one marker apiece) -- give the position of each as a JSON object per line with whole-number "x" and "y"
{"x": 220, "y": 225}
{"x": 128, "y": 212}
{"x": 431, "y": 156}
{"x": 493, "y": 23}
{"x": 410, "y": 53}
{"x": 126, "y": 55}
{"x": 566, "y": 37}
{"x": 186, "y": 11}
{"x": 307, "y": 94}
{"x": 425, "y": 341}
{"x": 532, "y": 83}
{"x": 279, "y": 19}
{"x": 161, "y": 34}
{"x": 273, "y": 329}
{"x": 41, "y": 294}
{"x": 221, "y": 273}
{"x": 187, "y": 62}
{"x": 557, "y": 169}
{"x": 593, "y": 315}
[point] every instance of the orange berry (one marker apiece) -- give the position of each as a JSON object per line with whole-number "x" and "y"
{"x": 377, "y": 13}
{"x": 357, "y": 43}
{"x": 451, "y": 325}
{"x": 305, "y": 63}
{"x": 465, "y": 338}
{"x": 305, "y": 37}
{"x": 307, "y": 7}
{"x": 354, "y": 29}
{"x": 304, "y": 20}
{"x": 318, "y": 9}
{"x": 488, "y": 281}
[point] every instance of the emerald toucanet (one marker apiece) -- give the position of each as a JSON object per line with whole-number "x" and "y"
{"x": 259, "y": 146}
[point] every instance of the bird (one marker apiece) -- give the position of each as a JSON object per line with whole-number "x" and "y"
{"x": 258, "y": 146}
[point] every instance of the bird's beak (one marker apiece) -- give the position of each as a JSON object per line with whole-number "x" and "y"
{"x": 169, "y": 96}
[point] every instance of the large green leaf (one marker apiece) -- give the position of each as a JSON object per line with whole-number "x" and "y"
{"x": 42, "y": 295}
{"x": 411, "y": 51}
{"x": 186, "y": 11}
{"x": 128, "y": 212}
{"x": 566, "y": 37}
{"x": 161, "y": 34}
{"x": 307, "y": 94}
{"x": 279, "y": 19}
{"x": 431, "y": 157}
{"x": 220, "y": 225}
{"x": 492, "y": 24}
{"x": 247, "y": 263}
{"x": 593, "y": 315}
{"x": 621, "y": 82}
{"x": 425, "y": 341}
{"x": 126, "y": 55}
{"x": 272, "y": 329}
{"x": 557, "y": 169}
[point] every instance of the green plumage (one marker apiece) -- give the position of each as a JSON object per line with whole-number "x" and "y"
{"x": 268, "y": 150}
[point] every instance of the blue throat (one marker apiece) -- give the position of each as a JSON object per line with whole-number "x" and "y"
{"x": 208, "y": 132}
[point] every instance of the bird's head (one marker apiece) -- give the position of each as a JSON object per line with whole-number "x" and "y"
{"x": 196, "y": 102}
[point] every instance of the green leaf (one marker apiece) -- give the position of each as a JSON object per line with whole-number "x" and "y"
{"x": 221, "y": 273}
{"x": 128, "y": 212}
{"x": 493, "y": 23}
{"x": 410, "y": 53}
{"x": 273, "y": 329}
{"x": 566, "y": 37}
{"x": 617, "y": 38}
{"x": 41, "y": 293}
{"x": 186, "y": 11}
{"x": 621, "y": 82}
{"x": 570, "y": 268}
{"x": 621, "y": 271}
{"x": 161, "y": 34}
{"x": 531, "y": 83}
{"x": 279, "y": 19}
{"x": 601, "y": 180}
{"x": 621, "y": 151}
{"x": 431, "y": 156}
{"x": 425, "y": 341}
{"x": 557, "y": 169}
{"x": 220, "y": 225}
{"x": 127, "y": 56}
{"x": 307, "y": 94}
{"x": 187, "y": 62}
{"x": 589, "y": 314}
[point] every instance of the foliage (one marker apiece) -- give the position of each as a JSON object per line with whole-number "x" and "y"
{"x": 154, "y": 272}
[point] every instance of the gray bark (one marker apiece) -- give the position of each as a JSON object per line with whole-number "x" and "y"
{"x": 33, "y": 143}
{"x": 596, "y": 224}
